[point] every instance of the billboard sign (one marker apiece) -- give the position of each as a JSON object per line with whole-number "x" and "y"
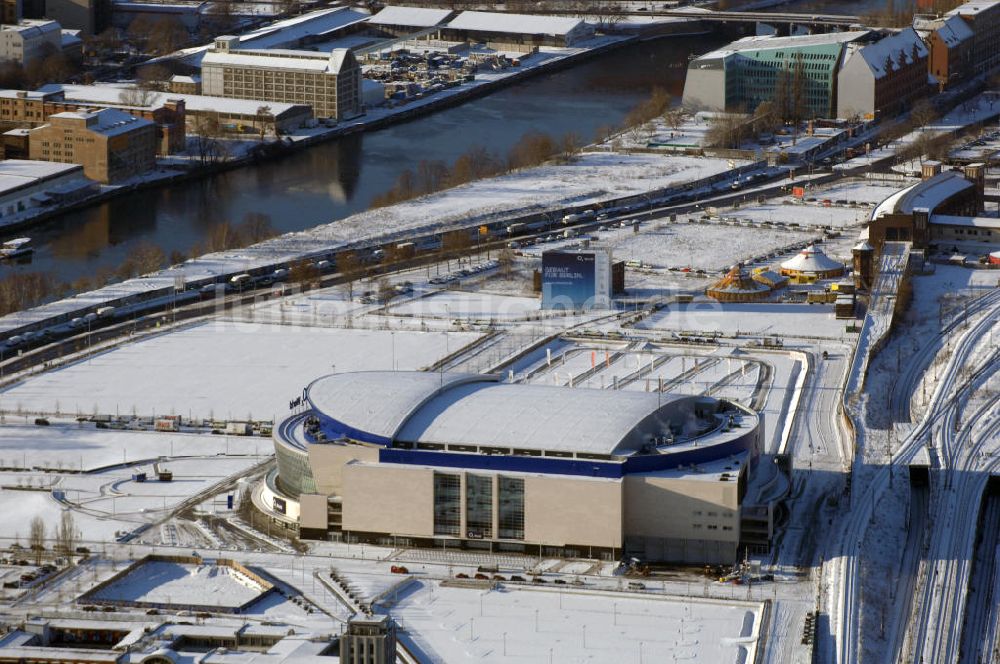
{"x": 575, "y": 280}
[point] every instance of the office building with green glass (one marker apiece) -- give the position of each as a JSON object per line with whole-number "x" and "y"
{"x": 739, "y": 77}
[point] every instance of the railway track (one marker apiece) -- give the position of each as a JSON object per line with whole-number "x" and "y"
{"x": 843, "y": 600}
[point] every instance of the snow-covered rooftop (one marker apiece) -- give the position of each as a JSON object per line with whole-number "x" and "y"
{"x": 289, "y": 32}
{"x": 31, "y": 28}
{"x": 330, "y": 63}
{"x": 933, "y": 192}
{"x": 970, "y": 222}
{"x": 478, "y": 410}
{"x": 27, "y": 168}
{"x": 516, "y": 23}
{"x": 106, "y": 121}
{"x": 537, "y": 417}
{"x": 928, "y": 194}
{"x": 770, "y": 42}
{"x": 973, "y": 8}
{"x": 952, "y": 30}
{"x": 349, "y": 397}
{"x": 415, "y": 17}
{"x": 905, "y": 46}
{"x": 111, "y": 94}
{"x": 811, "y": 260}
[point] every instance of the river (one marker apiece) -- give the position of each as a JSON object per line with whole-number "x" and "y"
{"x": 331, "y": 181}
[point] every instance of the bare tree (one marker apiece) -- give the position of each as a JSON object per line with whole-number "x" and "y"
{"x": 137, "y": 96}
{"x": 208, "y": 133}
{"x": 386, "y": 291}
{"x": 506, "y": 261}
{"x": 264, "y": 117}
{"x": 147, "y": 257}
{"x": 256, "y": 227}
{"x": 36, "y": 538}
{"x": 349, "y": 266}
{"x": 303, "y": 271}
{"x": 153, "y": 77}
{"x": 66, "y": 535}
{"x": 168, "y": 34}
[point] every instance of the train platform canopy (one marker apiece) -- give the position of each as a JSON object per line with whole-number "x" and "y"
{"x": 481, "y": 412}
{"x": 930, "y": 194}
{"x": 991, "y": 223}
{"x": 515, "y": 23}
{"x": 410, "y": 17}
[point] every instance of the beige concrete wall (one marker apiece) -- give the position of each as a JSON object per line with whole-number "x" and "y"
{"x": 670, "y": 508}
{"x": 559, "y": 511}
{"x": 388, "y": 499}
{"x": 327, "y": 463}
{"x": 313, "y": 511}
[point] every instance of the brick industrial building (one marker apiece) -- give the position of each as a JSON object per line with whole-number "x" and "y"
{"x": 26, "y": 108}
{"x": 110, "y": 144}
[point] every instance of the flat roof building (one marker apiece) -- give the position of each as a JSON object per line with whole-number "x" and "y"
{"x": 328, "y": 82}
{"x": 535, "y": 29}
{"x": 111, "y": 145}
{"x": 230, "y": 112}
{"x": 399, "y": 21}
{"x": 467, "y": 461}
{"x": 26, "y": 185}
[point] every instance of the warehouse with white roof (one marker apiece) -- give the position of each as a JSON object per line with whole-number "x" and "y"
{"x": 538, "y": 30}
{"x": 398, "y": 21}
{"x": 469, "y": 461}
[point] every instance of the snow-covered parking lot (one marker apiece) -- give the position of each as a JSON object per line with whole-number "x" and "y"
{"x": 225, "y": 370}
{"x": 533, "y": 625}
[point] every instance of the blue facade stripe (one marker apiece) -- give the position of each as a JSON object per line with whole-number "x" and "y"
{"x": 577, "y": 467}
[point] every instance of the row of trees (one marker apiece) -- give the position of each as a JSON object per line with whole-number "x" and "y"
{"x": 64, "y": 535}
{"x": 51, "y": 67}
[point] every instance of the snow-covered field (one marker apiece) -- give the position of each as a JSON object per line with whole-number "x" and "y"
{"x": 804, "y": 214}
{"x": 710, "y": 246}
{"x": 458, "y": 624}
{"x": 810, "y": 320}
{"x": 178, "y": 584}
{"x": 462, "y": 304}
{"x": 82, "y": 447}
{"x": 223, "y": 369}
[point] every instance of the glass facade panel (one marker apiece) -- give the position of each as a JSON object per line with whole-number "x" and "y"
{"x": 447, "y": 504}
{"x": 511, "y": 499}
{"x": 479, "y": 506}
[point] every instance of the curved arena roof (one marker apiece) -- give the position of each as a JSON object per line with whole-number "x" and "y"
{"x": 478, "y": 410}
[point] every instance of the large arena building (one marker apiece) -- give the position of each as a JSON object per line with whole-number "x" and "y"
{"x": 469, "y": 461}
